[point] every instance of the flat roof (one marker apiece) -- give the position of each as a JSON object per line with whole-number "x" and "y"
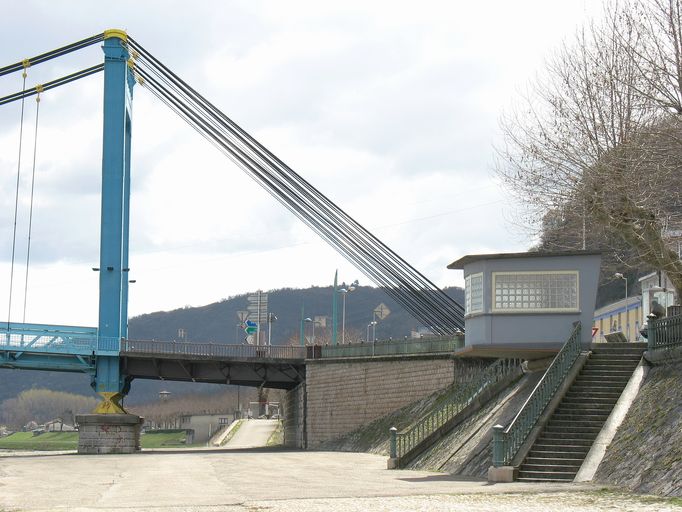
{"x": 471, "y": 258}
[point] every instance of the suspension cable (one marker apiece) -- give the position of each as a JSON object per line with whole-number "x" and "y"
{"x": 24, "y": 74}
{"x": 419, "y": 295}
{"x": 51, "y": 85}
{"x": 30, "y": 211}
{"x": 44, "y": 57}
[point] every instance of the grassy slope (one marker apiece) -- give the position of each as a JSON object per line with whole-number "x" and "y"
{"x": 69, "y": 440}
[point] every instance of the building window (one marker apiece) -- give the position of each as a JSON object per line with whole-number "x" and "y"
{"x": 473, "y": 294}
{"x": 536, "y": 291}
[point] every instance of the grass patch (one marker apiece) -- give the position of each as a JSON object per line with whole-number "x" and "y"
{"x": 277, "y": 437}
{"x": 164, "y": 439}
{"x": 644, "y": 499}
{"x": 51, "y": 441}
{"x": 44, "y": 442}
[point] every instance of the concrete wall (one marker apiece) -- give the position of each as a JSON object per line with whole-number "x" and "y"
{"x": 343, "y": 395}
{"x": 294, "y": 417}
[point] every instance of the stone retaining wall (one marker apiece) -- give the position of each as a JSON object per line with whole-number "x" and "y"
{"x": 343, "y": 395}
{"x": 646, "y": 453}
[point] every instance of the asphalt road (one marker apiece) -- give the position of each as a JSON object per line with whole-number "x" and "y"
{"x": 252, "y": 434}
{"x": 270, "y": 480}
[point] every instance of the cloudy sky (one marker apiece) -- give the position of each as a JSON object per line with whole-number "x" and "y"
{"x": 389, "y": 108}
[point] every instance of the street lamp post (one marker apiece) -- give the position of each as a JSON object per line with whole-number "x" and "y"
{"x": 311, "y": 321}
{"x": 344, "y": 292}
{"x": 372, "y": 324}
{"x": 619, "y": 275}
{"x": 271, "y": 318}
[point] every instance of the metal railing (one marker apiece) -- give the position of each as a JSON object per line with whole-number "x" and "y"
{"x": 393, "y": 347}
{"x": 210, "y": 350}
{"x": 52, "y": 339}
{"x": 459, "y": 397}
{"x": 665, "y": 333}
{"x": 507, "y": 442}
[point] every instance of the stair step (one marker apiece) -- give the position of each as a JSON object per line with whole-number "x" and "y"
{"x": 584, "y": 406}
{"x": 570, "y": 438}
{"x": 581, "y": 416}
{"x": 570, "y": 429}
{"x": 558, "y": 452}
{"x": 575, "y": 423}
{"x": 534, "y": 479}
{"x": 596, "y": 386}
{"x": 600, "y": 380}
{"x": 588, "y": 400}
{"x": 605, "y": 374}
{"x": 548, "y": 475}
{"x": 542, "y": 446}
{"x": 595, "y": 395}
{"x": 613, "y": 359}
{"x": 552, "y": 465}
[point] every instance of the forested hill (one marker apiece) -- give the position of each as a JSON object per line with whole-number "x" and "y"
{"x": 218, "y": 322}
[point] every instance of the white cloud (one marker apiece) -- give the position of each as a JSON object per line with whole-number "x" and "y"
{"x": 389, "y": 108}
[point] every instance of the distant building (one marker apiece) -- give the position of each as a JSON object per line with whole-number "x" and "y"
{"x": 628, "y": 317}
{"x": 657, "y": 291}
{"x": 201, "y": 427}
{"x": 619, "y": 317}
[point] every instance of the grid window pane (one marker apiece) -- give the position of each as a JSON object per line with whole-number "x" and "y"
{"x": 473, "y": 294}
{"x": 523, "y": 291}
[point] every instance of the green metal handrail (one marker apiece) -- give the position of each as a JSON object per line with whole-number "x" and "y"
{"x": 393, "y": 347}
{"x": 665, "y": 333}
{"x": 507, "y": 442}
{"x": 460, "y": 396}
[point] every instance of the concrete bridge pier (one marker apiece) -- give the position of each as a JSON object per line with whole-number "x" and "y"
{"x": 108, "y": 433}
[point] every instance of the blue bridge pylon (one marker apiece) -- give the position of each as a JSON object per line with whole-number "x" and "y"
{"x": 84, "y": 349}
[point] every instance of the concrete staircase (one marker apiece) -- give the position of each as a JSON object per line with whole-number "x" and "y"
{"x": 561, "y": 448}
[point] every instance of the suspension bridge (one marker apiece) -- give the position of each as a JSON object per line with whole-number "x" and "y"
{"x": 104, "y": 351}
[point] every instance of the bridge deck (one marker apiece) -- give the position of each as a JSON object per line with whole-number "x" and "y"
{"x": 246, "y": 365}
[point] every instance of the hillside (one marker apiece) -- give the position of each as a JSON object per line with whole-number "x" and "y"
{"x": 218, "y": 322}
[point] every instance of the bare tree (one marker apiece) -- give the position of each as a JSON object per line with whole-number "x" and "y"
{"x": 598, "y": 134}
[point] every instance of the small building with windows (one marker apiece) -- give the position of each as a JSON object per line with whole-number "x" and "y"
{"x": 525, "y": 304}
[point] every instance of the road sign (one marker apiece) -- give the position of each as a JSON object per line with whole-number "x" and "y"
{"x": 258, "y": 306}
{"x": 251, "y": 327}
{"x": 242, "y": 315}
{"x": 382, "y": 311}
{"x": 249, "y": 339}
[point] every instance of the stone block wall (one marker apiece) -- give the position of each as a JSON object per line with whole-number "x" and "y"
{"x": 294, "y": 417}
{"x": 343, "y": 395}
{"x": 108, "y": 433}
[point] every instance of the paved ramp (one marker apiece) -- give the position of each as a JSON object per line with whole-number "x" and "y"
{"x": 252, "y": 434}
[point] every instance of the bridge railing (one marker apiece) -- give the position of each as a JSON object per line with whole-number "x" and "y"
{"x": 460, "y": 396}
{"x": 54, "y": 339}
{"x": 392, "y": 347}
{"x": 209, "y": 350}
{"x": 665, "y": 333}
{"x": 507, "y": 442}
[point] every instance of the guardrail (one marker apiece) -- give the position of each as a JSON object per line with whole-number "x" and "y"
{"x": 460, "y": 396}
{"x": 507, "y": 442}
{"x": 209, "y": 350}
{"x": 392, "y": 347}
{"x": 665, "y": 333}
{"x": 43, "y": 338}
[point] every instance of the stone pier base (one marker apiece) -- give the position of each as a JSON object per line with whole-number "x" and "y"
{"x": 108, "y": 433}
